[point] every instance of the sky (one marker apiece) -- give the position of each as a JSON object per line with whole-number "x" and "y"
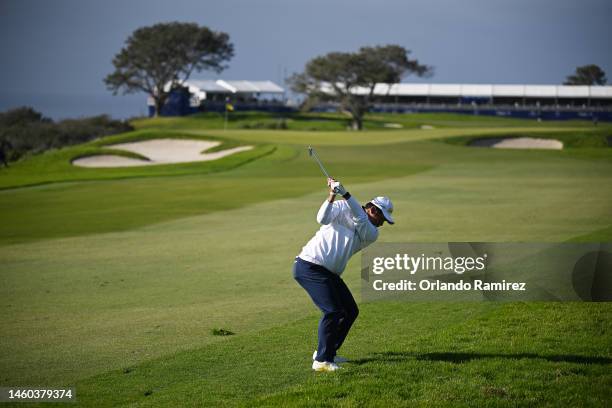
{"x": 58, "y": 49}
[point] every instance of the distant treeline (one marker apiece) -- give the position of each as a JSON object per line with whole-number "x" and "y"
{"x": 25, "y": 131}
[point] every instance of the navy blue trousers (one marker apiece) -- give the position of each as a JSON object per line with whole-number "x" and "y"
{"x": 329, "y": 292}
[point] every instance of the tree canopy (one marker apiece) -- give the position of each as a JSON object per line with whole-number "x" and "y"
{"x": 350, "y": 78}
{"x": 24, "y": 131}
{"x": 167, "y": 53}
{"x": 587, "y": 75}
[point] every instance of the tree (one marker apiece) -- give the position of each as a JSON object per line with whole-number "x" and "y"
{"x": 158, "y": 58}
{"x": 21, "y": 116}
{"x": 350, "y": 78}
{"x": 24, "y": 131}
{"x": 587, "y": 75}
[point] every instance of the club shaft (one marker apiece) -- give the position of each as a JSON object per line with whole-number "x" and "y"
{"x": 314, "y": 154}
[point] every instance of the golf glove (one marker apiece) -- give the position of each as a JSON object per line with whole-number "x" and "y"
{"x": 338, "y": 188}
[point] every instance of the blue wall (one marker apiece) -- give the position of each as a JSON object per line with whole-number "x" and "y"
{"x": 176, "y": 105}
{"x": 602, "y": 116}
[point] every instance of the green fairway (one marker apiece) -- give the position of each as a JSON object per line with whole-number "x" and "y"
{"x": 402, "y": 354}
{"x": 112, "y": 279}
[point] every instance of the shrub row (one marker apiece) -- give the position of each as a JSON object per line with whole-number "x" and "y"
{"x": 24, "y": 131}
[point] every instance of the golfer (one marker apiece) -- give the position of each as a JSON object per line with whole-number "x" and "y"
{"x": 346, "y": 228}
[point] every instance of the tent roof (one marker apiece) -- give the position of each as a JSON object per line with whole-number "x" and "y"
{"x": 223, "y": 86}
{"x": 206, "y": 85}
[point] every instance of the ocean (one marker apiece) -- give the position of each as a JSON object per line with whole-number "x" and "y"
{"x": 64, "y": 106}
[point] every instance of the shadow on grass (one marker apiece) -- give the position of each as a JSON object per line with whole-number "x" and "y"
{"x": 457, "y": 358}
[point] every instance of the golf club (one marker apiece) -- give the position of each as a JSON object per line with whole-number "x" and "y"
{"x": 313, "y": 154}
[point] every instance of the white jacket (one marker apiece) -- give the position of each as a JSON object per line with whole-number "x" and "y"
{"x": 345, "y": 230}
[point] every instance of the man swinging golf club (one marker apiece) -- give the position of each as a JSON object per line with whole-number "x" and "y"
{"x": 346, "y": 228}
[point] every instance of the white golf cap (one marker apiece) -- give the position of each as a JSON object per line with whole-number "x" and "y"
{"x": 386, "y": 206}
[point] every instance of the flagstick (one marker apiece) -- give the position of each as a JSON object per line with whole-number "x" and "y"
{"x": 225, "y": 123}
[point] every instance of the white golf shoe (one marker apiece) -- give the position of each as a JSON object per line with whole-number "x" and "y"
{"x": 337, "y": 359}
{"x": 322, "y": 366}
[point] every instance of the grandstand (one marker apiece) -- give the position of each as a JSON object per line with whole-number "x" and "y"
{"x": 542, "y": 102}
{"x": 557, "y": 102}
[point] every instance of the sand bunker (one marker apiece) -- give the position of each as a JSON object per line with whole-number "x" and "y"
{"x": 518, "y": 143}
{"x": 159, "y": 151}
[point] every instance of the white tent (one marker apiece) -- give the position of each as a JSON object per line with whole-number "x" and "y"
{"x": 200, "y": 88}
